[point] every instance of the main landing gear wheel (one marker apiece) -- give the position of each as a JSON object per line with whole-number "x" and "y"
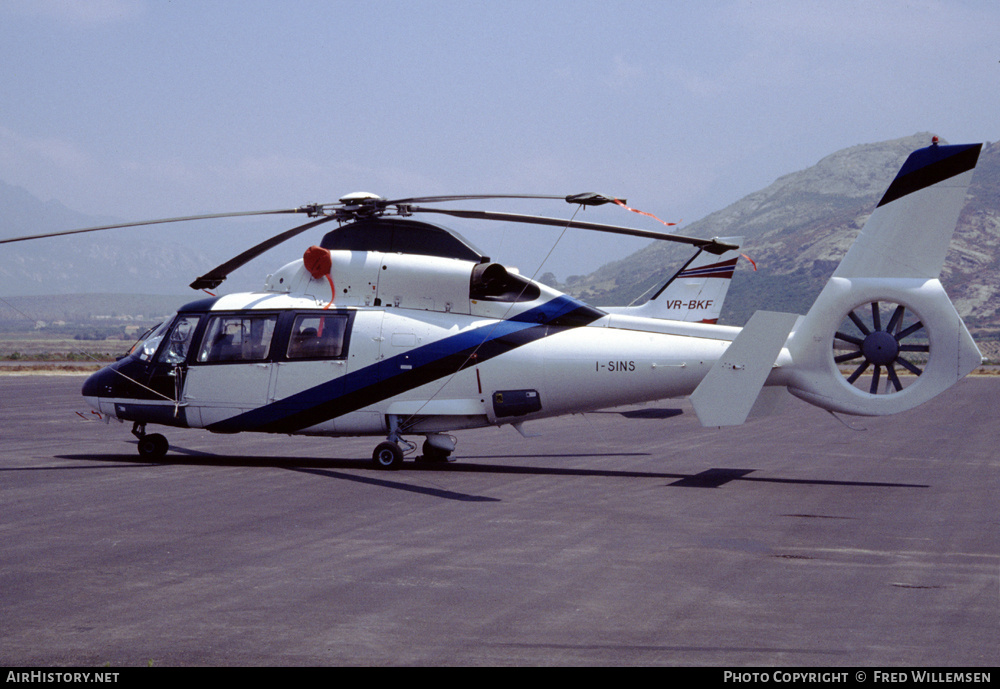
{"x": 388, "y": 455}
{"x": 153, "y": 446}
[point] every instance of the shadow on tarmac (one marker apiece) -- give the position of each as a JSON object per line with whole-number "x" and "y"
{"x": 709, "y": 478}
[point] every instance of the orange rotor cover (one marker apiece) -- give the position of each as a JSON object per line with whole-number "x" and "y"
{"x": 317, "y": 261}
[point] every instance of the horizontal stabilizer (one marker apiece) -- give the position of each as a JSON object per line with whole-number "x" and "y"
{"x": 727, "y": 394}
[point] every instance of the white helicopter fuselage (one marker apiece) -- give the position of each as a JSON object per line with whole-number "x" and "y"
{"x": 416, "y": 353}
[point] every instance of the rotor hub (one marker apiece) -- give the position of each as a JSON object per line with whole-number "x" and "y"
{"x": 880, "y": 348}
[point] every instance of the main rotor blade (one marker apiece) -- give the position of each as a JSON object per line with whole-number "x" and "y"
{"x": 713, "y": 246}
{"x": 216, "y": 276}
{"x": 467, "y": 197}
{"x": 303, "y": 209}
{"x": 586, "y": 199}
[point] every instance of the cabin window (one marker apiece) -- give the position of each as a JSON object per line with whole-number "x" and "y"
{"x": 178, "y": 341}
{"x": 237, "y": 338}
{"x": 317, "y": 336}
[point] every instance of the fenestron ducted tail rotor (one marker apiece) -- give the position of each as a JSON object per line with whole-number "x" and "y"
{"x": 865, "y": 350}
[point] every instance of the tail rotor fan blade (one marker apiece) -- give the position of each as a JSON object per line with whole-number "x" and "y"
{"x": 858, "y": 372}
{"x": 909, "y": 367}
{"x": 910, "y": 330}
{"x": 848, "y": 338}
{"x": 893, "y": 378}
{"x": 858, "y": 322}
{"x": 849, "y": 357}
{"x": 873, "y": 389}
{"x": 896, "y": 320}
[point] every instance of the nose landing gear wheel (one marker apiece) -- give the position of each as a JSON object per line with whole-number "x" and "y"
{"x": 388, "y": 455}
{"x": 153, "y": 446}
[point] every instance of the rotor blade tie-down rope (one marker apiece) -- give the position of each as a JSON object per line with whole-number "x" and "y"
{"x": 634, "y": 210}
{"x": 668, "y": 224}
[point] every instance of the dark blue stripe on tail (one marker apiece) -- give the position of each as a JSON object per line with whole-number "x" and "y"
{"x": 928, "y": 166}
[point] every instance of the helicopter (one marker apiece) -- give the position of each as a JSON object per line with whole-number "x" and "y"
{"x": 393, "y": 327}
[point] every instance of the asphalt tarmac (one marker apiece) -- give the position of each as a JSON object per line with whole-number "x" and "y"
{"x": 625, "y": 537}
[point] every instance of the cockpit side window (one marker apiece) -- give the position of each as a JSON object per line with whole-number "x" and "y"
{"x": 237, "y": 338}
{"x": 316, "y": 336}
{"x": 178, "y": 340}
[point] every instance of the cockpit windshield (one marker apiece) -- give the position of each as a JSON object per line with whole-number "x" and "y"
{"x": 179, "y": 341}
{"x": 147, "y": 345}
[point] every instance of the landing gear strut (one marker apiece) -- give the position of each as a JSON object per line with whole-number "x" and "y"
{"x": 437, "y": 447}
{"x": 151, "y": 446}
{"x": 389, "y": 454}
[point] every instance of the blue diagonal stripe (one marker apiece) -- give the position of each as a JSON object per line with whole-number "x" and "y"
{"x": 427, "y": 363}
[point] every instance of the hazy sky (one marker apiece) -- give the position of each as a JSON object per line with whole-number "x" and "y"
{"x": 155, "y": 108}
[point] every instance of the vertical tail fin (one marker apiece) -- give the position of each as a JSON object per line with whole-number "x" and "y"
{"x": 908, "y": 234}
